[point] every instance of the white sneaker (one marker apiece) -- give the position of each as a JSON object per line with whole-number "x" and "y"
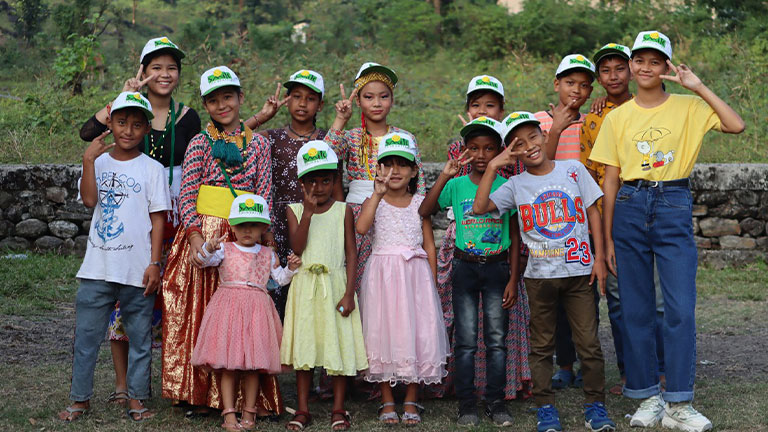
{"x": 684, "y": 417}
{"x": 649, "y": 413}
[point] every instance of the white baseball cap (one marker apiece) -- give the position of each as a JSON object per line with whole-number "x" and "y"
{"x": 132, "y": 100}
{"x": 612, "y": 49}
{"x": 216, "y": 78}
{"x": 315, "y": 155}
{"x": 485, "y": 82}
{"x": 161, "y": 43}
{"x": 308, "y": 78}
{"x": 375, "y": 67}
{"x": 249, "y": 208}
{"x": 481, "y": 123}
{"x": 516, "y": 119}
{"x": 397, "y": 144}
{"x": 575, "y": 61}
{"x": 653, "y": 40}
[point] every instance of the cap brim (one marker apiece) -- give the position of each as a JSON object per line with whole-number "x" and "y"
{"x": 216, "y": 87}
{"x": 383, "y": 69}
{"x": 509, "y": 131}
{"x": 475, "y": 126}
{"x": 146, "y": 112}
{"x": 485, "y": 89}
{"x": 401, "y": 153}
{"x": 634, "y": 50}
{"x": 239, "y": 220}
{"x": 606, "y": 52}
{"x": 327, "y": 166}
{"x": 290, "y": 83}
{"x": 177, "y": 52}
{"x": 584, "y": 68}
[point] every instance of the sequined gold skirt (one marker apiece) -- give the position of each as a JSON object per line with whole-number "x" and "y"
{"x": 186, "y": 292}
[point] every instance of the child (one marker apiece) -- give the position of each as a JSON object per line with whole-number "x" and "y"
{"x": 555, "y": 203}
{"x": 305, "y": 100}
{"x": 322, "y": 323}
{"x": 128, "y": 193}
{"x": 241, "y": 330}
{"x": 612, "y": 65}
{"x": 651, "y": 142}
{"x": 226, "y": 160}
{"x": 573, "y": 84}
{"x": 485, "y": 264}
{"x": 485, "y": 97}
{"x": 402, "y": 321}
{"x": 172, "y": 128}
{"x": 374, "y": 94}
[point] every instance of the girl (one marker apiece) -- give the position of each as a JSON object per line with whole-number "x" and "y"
{"x": 305, "y": 100}
{"x": 402, "y": 321}
{"x": 485, "y": 97}
{"x": 225, "y": 160}
{"x": 241, "y": 330}
{"x": 358, "y": 147}
{"x": 173, "y": 127}
{"x": 322, "y": 323}
{"x": 651, "y": 143}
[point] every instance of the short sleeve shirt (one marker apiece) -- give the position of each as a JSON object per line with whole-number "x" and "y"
{"x": 486, "y": 234}
{"x": 552, "y": 213}
{"x": 568, "y": 146}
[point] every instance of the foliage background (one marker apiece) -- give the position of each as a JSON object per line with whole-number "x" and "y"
{"x": 60, "y": 61}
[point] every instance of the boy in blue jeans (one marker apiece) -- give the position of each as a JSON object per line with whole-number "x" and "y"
{"x": 555, "y": 202}
{"x": 486, "y": 261}
{"x": 129, "y": 194}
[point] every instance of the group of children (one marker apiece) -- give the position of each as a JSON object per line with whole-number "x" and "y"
{"x": 248, "y": 202}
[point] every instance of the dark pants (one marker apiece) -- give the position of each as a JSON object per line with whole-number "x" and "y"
{"x": 470, "y": 280}
{"x": 577, "y": 298}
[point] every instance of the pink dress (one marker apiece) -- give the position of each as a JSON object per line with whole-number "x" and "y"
{"x": 403, "y": 326}
{"x": 241, "y": 329}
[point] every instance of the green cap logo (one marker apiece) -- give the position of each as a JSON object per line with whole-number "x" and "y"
{"x": 218, "y": 74}
{"x": 484, "y": 120}
{"x": 136, "y": 97}
{"x": 314, "y": 154}
{"x": 396, "y": 140}
{"x": 654, "y": 37}
{"x": 581, "y": 60}
{"x": 306, "y": 75}
{"x": 164, "y": 42}
{"x": 516, "y": 116}
{"x": 251, "y": 205}
{"x": 485, "y": 81}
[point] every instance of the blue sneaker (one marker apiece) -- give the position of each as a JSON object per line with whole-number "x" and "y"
{"x": 596, "y": 418}
{"x": 548, "y": 419}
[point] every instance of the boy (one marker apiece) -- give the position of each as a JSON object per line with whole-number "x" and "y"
{"x": 486, "y": 260}
{"x": 129, "y": 193}
{"x": 651, "y": 144}
{"x": 612, "y": 64}
{"x": 555, "y": 202}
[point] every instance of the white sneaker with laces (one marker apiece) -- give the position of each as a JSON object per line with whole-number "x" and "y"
{"x": 684, "y": 417}
{"x": 650, "y": 412}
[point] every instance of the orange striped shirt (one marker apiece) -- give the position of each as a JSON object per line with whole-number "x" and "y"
{"x": 569, "y": 145}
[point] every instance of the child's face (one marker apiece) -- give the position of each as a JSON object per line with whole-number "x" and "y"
{"x": 576, "y": 86}
{"x": 303, "y": 103}
{"x": 482, "y": 149}
{"x": 614, "y": 75}
{"x": 375, "y": 100}
{"x": 488, "y": 105}
{"x": 531, "y": 140}
{"x": 647, "y": 67}
{"x": 322, "y": 182}
{"x": 402, "y": 172}
{"x": 166, "y": 73}
{"x": 223, "y": 105}
{"x": 128, "y": 126}
{"x": 249, "y": 233}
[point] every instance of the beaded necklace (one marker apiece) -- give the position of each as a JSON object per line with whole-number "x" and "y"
{"x": 226, "y": 149}
{"x": 300, "y": 136}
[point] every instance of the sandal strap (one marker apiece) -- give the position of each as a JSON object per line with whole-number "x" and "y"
{"x": 73, "y": 410}
{"x": 228, "y": 411}
{"x": 250, "y": 410}
{"x": 118, "y": 395}
{"x": 385, "y": 404}
{"x": 139, "y": 411}
{"x": 419, "y": 407}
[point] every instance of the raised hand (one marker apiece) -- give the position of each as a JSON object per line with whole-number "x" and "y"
{"x": 135, "y": 84}
{"x": 98, "y": 147}
{"x": 344, "y": 106}
{"x": 294, "y": 261}
{"x": 310, "y": 200}
{"x": 598, "y": 105}
{"x": 508, "y": 155}
{"x": 453, "y": 166}
{"x": 272, "y": 105}
{"x": 381, "y": 182}
{"x": 214, "y": 243}
{"x": 683, "y": 76}
{"x": 464, "y": 122}
{"x": 562, "y": 118}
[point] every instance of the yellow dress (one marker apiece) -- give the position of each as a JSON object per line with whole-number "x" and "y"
{"x": 315, "y": 334}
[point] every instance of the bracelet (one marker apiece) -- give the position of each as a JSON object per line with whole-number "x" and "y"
{"x": 157, "y": 263}
{"x": 258, "y": 123}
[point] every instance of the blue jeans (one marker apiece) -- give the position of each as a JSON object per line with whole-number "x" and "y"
{"x": 655, "y": 224}
{"x": 470, "y": 280}
{"x": 94, "y": 302}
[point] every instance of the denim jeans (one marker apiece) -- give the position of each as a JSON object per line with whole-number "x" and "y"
{"x": 655, "y": 224}
{"x": 94, "y": 302}
{"x": 470, "y": 280}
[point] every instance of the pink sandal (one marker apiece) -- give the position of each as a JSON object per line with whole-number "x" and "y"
{"x": 231, "y": 427}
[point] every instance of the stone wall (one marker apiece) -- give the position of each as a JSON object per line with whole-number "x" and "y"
{"x": 38, "y": 210}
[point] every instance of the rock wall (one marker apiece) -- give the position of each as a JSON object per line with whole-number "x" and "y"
{"x": 39, "y": 210}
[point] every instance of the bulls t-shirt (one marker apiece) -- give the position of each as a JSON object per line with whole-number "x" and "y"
{"x": 552, "y": 212}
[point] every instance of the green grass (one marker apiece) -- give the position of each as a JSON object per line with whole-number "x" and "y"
{"x": 745, "y": 283}
{"x": 33, "y": 285}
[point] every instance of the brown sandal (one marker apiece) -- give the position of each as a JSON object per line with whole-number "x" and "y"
{"x": 300, "y": 425}
{"x": 346, "y": 420}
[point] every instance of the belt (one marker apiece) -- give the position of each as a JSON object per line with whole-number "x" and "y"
{"x": 215, "y": 200}
{"x": 480, "y": 259}
{"x": 662, "y": 184}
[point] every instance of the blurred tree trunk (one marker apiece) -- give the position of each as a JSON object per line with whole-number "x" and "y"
{"x": 133, "y": 18}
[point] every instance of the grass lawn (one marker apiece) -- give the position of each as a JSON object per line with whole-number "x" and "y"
{"x": 36, "y": 318}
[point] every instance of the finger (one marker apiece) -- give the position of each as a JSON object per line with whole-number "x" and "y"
{"x": 284, "y": 101}
{"x": 672, "y": 66}
{"x": 343, "y": 93}
{"x": 103, "y": 134}
{"x": 463, "y": 122}
{"x": 145, "y": 81}
{"x": 467, "y": 161}
{"x": 673, "y": 78}
{"x": 592, "y": 278}
{"x": 571, "y": 103}
{"x": 353, "y": 95}
{"x": 277, "y": 92}
{"x": 141, "y": 70}
{"x": 552, "y": 107}
{"x": 147, "y": 291}
{"x": 389, "y": 175}
{"x": 464, "y": 153}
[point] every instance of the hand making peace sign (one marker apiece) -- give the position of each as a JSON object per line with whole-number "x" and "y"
{"x": 344, "y": 106}
{"x": 683, "y": 76}
{"x": 135, "y": 84}
{"x": 453, "y": 166}
{"x": 98, "y": 147}
{"x": 381, "y": 183}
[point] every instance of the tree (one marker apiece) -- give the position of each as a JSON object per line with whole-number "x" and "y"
{"x": 30, "y": 17}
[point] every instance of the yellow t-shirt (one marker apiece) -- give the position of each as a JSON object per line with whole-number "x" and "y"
{"x": 657, "y": 144}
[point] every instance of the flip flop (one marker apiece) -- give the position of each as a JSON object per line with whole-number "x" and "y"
{"x": 118, "y": 397}
{"x": 71, "y": 413}
{"x": 133, "y": 412}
